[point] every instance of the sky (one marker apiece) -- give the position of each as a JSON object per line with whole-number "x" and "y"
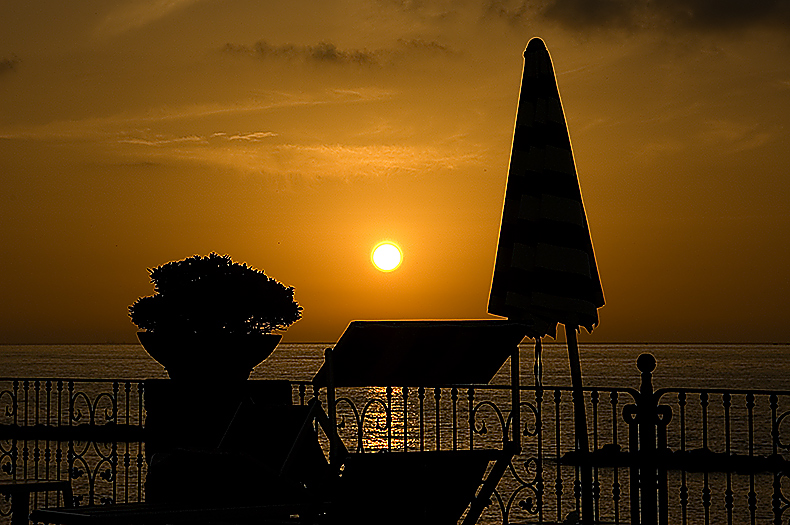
{"x": 296, "y": 135}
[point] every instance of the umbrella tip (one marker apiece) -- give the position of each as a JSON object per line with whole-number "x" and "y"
{"x": 535, "y": 45}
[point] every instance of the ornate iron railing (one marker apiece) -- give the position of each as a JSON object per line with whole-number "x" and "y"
{"x": 88, "y": 431}
{"x": 716, "y": 455}
{"x": 725, "y": 458}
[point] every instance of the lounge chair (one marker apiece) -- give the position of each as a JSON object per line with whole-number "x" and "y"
{"x": 418, "y": 487}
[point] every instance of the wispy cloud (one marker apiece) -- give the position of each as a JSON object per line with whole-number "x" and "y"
{"x": 143, "y": 138}
{"x": 256, "y": 136}
{"x": 318, "y": 161}
{"x": 162, "y": 141}
{"x": 732, "y": 136}
{"x": 426, "y": 9}
{"x": 420, "y": 44}
{"x": 137, "y": 15}
{"x": 102, "y": 128}
{"x": 329, "y": 53}
{"x": 266, "y": 152}
{"x": 8, "y": 65}
{"x": 322, "y": 52}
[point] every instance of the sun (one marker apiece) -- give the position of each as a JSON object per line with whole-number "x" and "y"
{"x": 386, "y": 256}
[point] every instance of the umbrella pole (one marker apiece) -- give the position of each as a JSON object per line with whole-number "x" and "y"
{"x": 580, "y": 423}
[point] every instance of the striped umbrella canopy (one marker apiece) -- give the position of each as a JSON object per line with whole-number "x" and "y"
{"x": 545, "y": 271}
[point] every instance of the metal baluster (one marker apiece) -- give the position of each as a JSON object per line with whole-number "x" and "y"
{"x": 114, "y": 449}
{"x": 684, "y": 491}
{"x": 36, "y": 448}
{"x": 389, "y": 418}
{"x": 776, "y": 499}
{"x": 752, "y": 493}
{"x": 773, "y": 401}
{"x": 632, "y": 415}
{"x": 127, "y": 389}
{"x": 558, "y": 455}
{"x": 596, "y": 484}
{"x": 663, "y": 418}
{"x": 59, "y": 451}
{"x": 70, "y": 454}
{"x": 25, "y": 450}
{"x": 421, "y": 397}
{"x": 615, "y": 471}
{"x": 454, "y": 397}
{"x": 726, "y": 400}
{"x": 539, "y": 469}
{"x": 140, "y": 455}
{"x": 703, "y": 399}
{"x": 437, "y": 394}
{"x": 577, "y": 480}
{"x": 405, "y": 393}
{"x": 470, "y": 395}
{"x": 47, "y": 450}
{"x": 14, "y": 442}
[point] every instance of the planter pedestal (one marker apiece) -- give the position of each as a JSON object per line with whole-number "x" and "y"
{"x": 195, "y": 415}
{"x": 185, "y": 423}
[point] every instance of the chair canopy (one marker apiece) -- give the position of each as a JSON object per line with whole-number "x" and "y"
{"x": 421, "y": 353}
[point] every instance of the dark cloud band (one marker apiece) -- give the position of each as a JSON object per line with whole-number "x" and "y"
{"x": 696, "y": 15}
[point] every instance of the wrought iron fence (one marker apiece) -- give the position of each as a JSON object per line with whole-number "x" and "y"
{"x": 88, "y": 431}
{"x": 709, "y": 456}
{"x": 725, "y": 457}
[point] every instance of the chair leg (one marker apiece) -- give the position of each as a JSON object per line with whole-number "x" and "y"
{"x": 20, "y": 504}
{"x": 68, "y": 495}
{"x": 481, "y": 501}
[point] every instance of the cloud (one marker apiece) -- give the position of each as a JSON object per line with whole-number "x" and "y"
{"x": 142, "y": 164}
{"x": 419, "y": 44}
{"x": 320, "y": 161}
{"x": 265, "y": 152}
{"x": 737, "y": 136}
{"x": 8, "y": 65}
{"x": 426, "y": 9}
{"x": 138, "y": 15}
{"x": 107, "y": 127}
{"x": 633, "y": 15}
{"x": 322, "y": 52}
{"x": 161, "y": 141}
{"x": 327, "y": 52}
{"x": 258, "y": 135}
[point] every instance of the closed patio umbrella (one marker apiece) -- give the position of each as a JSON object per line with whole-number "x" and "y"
{"x": 545, "y": 271}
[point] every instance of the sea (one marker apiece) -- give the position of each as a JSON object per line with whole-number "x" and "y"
{"x": 679, "y": 365}
{"x": 692, "y": 366}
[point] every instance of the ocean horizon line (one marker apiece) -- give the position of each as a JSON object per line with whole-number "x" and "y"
{"x": 553, "y": 341}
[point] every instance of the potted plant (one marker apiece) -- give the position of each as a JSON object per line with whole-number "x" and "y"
{"x": 211, "y": 318}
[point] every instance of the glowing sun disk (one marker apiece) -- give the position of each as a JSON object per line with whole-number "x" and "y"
{"x": 386, "y": 256}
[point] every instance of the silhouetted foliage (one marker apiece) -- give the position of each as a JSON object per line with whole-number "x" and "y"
{"x": 214, "y": 295}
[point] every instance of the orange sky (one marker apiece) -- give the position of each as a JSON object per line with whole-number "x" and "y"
{"x": 297, "y": 135}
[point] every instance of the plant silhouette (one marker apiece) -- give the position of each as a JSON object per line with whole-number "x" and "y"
{"x": 213, "y": 295}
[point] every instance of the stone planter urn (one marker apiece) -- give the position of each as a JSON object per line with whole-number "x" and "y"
{"x": 217, "y": 359}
